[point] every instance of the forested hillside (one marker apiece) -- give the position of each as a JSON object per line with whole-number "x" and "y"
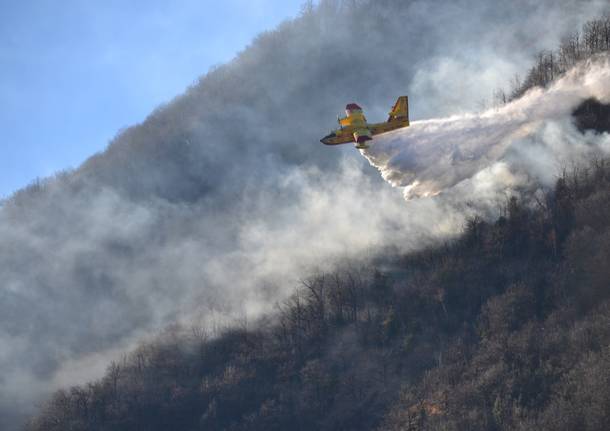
{"x": 507, "y": 327}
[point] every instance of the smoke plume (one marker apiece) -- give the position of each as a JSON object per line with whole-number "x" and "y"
{"x": 533, "y": 136}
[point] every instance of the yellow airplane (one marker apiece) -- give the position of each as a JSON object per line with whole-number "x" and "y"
{"x": 354, "y": 128}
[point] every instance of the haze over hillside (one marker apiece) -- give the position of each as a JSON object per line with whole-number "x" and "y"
{"x": 224, "y": 196}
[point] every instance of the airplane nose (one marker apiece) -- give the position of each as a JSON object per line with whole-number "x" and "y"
{"x": 325, "y": 139}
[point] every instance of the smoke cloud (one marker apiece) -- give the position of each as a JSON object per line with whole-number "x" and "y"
{"x": 533, "y": 135}
{"x": 222, "y": 199}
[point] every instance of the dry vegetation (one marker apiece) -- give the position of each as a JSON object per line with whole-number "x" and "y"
{"x": 506, "y": 328}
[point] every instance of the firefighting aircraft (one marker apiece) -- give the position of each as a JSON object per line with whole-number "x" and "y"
{"x": 354, "y": 128}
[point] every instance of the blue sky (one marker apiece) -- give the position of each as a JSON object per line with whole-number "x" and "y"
{"x": 73, "y": 72}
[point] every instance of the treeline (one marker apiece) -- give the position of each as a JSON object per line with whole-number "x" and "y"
{"x": 550, "y": 65}
{"x": 506, "y": 328}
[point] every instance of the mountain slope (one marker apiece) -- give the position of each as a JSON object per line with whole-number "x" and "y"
{"x": 220, "y": 199}
{"x": 505, "y": 328}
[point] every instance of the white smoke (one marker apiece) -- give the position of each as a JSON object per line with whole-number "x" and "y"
{"x": 531, "y": 138}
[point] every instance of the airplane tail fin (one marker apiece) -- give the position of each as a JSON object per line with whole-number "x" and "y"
{"x": 400, "y": 111}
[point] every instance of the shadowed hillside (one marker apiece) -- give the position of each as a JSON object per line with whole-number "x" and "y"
{"x": 504, "y": 328}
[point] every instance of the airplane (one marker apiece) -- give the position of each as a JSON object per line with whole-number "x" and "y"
{"x": 354, "y": 128}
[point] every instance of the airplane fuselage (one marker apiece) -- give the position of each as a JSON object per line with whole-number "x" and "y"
{"x": 345, "y": 135}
